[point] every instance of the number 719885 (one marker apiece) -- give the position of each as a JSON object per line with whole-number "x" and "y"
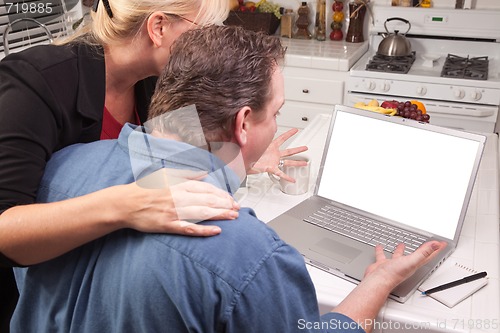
{"x": 29, "y": 8}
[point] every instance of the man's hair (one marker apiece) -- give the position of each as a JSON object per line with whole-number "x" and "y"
{"x": 219, "y": 69}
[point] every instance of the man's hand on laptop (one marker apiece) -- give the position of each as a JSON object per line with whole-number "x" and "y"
{"x": 365, "y": 301}
{"x": 393, "y": 271}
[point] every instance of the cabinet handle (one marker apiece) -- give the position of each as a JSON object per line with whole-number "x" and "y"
{"x": 305, "y": 119}
{"x": 305, "y": 91}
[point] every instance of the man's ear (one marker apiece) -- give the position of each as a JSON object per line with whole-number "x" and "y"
{"x": 242, "y": 125}
{"x": 156, "y": 27}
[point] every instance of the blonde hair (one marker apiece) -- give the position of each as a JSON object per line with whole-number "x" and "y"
{"x": 130, "y": 15}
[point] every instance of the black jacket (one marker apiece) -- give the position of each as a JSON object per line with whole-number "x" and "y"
{"x": 50, "y": 97}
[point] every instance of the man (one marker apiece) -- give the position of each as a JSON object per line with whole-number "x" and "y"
{"x": 244, "y": 280}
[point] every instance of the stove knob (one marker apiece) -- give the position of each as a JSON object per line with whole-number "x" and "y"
{"x": 476, "y": 95}
{"x": 421, "y": 91}
{"x": 386, "y": 86}
{"x": 370, "y": 85}
{"x": 459, "y": 93}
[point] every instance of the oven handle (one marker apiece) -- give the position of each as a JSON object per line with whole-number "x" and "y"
{"x": 480, "y": 113}
{"x": 448, "y": 108}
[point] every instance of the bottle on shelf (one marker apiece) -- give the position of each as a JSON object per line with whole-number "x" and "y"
{"x": 287, "y": 23}
{"x": 303, "y": 22}
{"x": 426, "y": 3}
{"x": 320, "y": 25}
{"x": 357, "y": 11}
{"x": 337, "y": 19}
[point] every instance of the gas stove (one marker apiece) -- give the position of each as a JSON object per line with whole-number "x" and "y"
{"x": 475, "y": 68}
{"x": 391, "y": 64}
{"x": 464, "y": 67}
{"x": 457, "y": 76}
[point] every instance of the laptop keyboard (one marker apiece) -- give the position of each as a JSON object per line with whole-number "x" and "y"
{"x": 365, "y": 230}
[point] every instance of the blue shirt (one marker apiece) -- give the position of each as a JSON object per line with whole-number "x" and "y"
{"x": 244, "y": 280}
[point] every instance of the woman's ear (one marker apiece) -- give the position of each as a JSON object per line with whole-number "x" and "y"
{"x": 242, "y": 125}
{"x": 156, "y": 27}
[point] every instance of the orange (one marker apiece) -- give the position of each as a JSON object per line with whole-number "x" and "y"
{"x": 420, "y": 106}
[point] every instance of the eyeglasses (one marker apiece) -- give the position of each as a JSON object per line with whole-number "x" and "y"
{"x": 106, "y": 6}
{"x": 183, "y": 18}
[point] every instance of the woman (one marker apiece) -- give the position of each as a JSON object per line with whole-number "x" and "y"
{"x": 85, "y": 90}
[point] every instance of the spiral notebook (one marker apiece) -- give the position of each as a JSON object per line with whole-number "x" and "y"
{"x": 453, "y": 296}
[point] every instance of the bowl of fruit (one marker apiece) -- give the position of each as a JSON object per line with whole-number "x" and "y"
{"x": 256, "y": 16}
{"x": 412, "y": 109}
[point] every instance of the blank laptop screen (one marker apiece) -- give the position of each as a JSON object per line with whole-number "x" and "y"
{"x": 413, "y": 176}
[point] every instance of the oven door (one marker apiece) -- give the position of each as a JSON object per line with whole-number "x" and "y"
{"x": 462, "y": 116}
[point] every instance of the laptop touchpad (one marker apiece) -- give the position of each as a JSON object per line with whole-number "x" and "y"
{"x": 335, "y": 250}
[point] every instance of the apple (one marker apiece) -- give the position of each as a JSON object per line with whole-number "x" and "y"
{"x": 390, "y": 104}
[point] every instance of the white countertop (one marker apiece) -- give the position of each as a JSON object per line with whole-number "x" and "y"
{"x": 478, "y": 246}
{"x": 328, "y": 54}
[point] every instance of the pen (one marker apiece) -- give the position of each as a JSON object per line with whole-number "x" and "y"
{"x": 455, "y": 283}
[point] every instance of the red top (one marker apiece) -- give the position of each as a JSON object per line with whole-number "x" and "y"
{"x": 111, "y": 128}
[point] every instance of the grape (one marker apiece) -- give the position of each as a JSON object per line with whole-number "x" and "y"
{"x": 269, "y": 7}
{"x": 410, "y": 110}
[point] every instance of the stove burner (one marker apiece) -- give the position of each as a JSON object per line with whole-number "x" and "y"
{"x": 465, "y": 68}
{"x": 391, "y": 64}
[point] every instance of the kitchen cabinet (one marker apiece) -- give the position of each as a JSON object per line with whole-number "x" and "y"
{"x": 315, "y": 76}
{"x": 309, "y": 92}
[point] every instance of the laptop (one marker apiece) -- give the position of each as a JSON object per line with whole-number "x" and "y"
{"x": 383, "y": 180}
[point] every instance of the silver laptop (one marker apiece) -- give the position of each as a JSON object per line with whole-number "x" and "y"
{"x": 383, "y": 180}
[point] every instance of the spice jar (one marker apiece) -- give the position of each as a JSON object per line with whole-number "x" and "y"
{"x": 287, "y": 23}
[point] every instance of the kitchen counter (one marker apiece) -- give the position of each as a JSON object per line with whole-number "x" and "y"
{"x": 328, "y": 55}
{"x": 478, "y": 247}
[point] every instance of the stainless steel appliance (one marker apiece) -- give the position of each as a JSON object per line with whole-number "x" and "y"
{"x": 454, "y": 68}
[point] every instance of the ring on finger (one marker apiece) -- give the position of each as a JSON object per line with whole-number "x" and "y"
{"x": 281, "y": 163}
